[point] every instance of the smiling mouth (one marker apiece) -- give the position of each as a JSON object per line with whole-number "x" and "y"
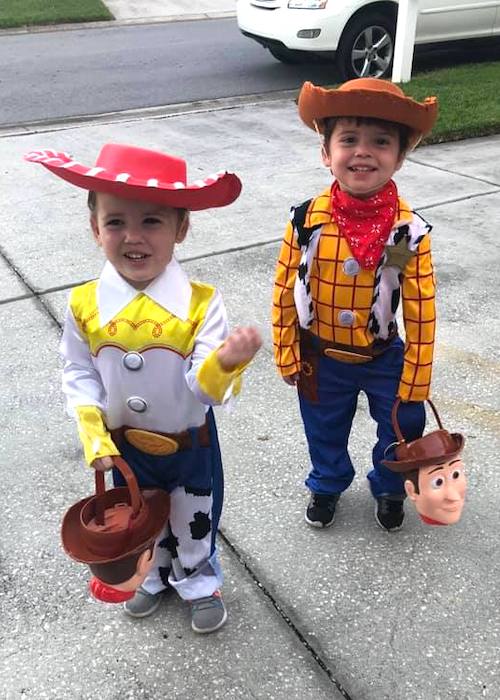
{"x": 361, "y": 169}
{"x": 135, "y": 256}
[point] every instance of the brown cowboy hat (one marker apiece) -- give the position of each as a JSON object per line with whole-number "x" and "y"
{"x": 114, "y": 524}
{"x": 368, "y": 97}
{"x": 433, "y": 448}
{"x": 138, "y": 173}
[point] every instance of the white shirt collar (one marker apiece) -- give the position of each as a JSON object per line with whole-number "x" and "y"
{"x": 171, "y": 289}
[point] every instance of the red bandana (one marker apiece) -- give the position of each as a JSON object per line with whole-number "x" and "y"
{"x": 366, "y": 223}
{"x": 106, "y": 593}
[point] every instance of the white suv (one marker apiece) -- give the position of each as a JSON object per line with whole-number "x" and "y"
{"x": 359, "y": 33}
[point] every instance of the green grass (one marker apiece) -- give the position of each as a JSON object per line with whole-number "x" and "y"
{"x": 19, "y": 13}
{"x": 469, "y": 100}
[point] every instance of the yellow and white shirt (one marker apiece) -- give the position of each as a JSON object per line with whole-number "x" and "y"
{"x": 143, "y": 358}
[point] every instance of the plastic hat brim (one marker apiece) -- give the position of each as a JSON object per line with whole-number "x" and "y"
{"x": 73, "y": 538}
{"x": 217, "y": 190}
{"x": 408, "y": 465}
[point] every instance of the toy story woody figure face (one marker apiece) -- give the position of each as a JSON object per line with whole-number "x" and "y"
{"x": 434, "y": 476}
{"x": 438, "y": 491}
{"x": 114, "y": 533}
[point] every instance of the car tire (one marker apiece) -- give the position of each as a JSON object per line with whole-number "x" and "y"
{"x": 366, "y": 48}
{"x": 284, "y": 55}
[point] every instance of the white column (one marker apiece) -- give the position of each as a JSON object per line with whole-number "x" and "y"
{"x": 405, "y": 40}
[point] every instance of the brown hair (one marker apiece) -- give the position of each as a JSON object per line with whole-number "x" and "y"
{"x": 92, "y": 201}
{"x": 119, "y": 571}
{"x": 404, "y": 131}
{"x": 413, "y": 477}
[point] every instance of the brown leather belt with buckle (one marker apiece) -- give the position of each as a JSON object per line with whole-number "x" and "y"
{"x": 344, "y": 353}
{"x": 161, "y": 444}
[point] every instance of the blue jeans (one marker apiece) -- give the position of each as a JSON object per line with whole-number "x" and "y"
{"x": 328, "y": 421}
{"x": 198, "y": 469}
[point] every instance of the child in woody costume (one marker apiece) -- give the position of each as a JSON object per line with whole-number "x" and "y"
{"x": 147, "y": 353}
{"x": 348, "y": 256}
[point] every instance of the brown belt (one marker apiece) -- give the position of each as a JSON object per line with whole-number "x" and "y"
{"x": 156, "y": 443}
{"x": 344, "y": 353}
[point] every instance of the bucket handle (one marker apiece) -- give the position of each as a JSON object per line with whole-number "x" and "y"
{"x": 132, "y": 485}
{"x": 395, "y": 424}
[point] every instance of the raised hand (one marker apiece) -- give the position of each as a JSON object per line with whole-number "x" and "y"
{"x": 239, "y": 347}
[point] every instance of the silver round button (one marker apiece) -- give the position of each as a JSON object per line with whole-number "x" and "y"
{"x": 351, "y": 267}
{"x": 133, "y": 361}
{"x": 136, "y": 404}
{"x": 346, "y": 318}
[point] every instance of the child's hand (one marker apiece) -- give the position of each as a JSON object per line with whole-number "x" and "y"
{"x": 292, "y": 379}
{"x": 239, "y": 347}
{"x": 103, "y": 464}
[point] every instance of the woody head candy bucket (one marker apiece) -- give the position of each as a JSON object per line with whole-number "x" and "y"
{"x": 433, "y": 472}
{"x": 114, "y": 531}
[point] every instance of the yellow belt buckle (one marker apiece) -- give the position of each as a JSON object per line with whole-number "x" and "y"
{"x": 151, "y": 443}
{"x": 346, "y": 356}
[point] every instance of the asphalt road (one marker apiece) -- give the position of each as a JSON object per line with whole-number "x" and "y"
{"x": 91, "y": 71}
{"x": 57, "y": 74}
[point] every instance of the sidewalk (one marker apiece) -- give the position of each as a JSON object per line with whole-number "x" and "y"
{"x": 156, "y": 10}
{"x": 349, "y": 612}
{"x": 130, "y": 12}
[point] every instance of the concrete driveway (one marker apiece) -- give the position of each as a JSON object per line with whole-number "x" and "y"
{"x": 348, "y": 612}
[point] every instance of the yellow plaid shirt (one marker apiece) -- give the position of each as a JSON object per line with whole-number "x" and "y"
{"x": 333, "y": 291}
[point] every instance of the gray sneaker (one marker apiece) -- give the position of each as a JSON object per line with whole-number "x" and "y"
{"x": 208, "y": 614}
{"x": 143, "y": 603}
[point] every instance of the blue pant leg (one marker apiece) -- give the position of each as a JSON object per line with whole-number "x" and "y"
{"x": 381, "y": 383}
{"x": 197, "y": 472}
{"x": 327, "y": 425}
{"x": 217, "y": 476}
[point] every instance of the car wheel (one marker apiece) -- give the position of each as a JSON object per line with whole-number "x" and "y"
{"x": 366, "y": 48}
{"x": 284, "y": 55}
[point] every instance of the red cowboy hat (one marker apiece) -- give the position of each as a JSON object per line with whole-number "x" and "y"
{"x": 114, "y": 524}
{"x": 433, "y": 448}
{"x": 138, "y": 173}
{"x": 367, "y": 97}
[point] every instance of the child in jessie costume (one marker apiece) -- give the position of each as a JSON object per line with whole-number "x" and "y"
{"x": 347, "y": 258}
{"x": 147, "y": 353}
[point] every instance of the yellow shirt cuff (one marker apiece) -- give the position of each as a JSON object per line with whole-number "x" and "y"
{"x": 215, "y": 382}
{"x": 94, "y": 434}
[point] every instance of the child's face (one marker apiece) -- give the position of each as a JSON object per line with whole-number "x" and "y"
{"x": 138, "y": 238}
{"x": 362, "y": 157}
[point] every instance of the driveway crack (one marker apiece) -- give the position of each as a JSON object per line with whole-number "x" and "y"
{"x": 316, "y": 655}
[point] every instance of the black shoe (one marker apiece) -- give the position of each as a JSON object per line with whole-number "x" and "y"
{"x": 321, "y": 509}
{"x": 389, "y": 512}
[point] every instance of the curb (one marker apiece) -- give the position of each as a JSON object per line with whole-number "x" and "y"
{"x": 71, "y": 27}
{"x": 133, "y": 115}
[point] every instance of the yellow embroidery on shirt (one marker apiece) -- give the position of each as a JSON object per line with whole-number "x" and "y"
{"x": 156, "y": 330}
{"x": 142, "y": 324}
